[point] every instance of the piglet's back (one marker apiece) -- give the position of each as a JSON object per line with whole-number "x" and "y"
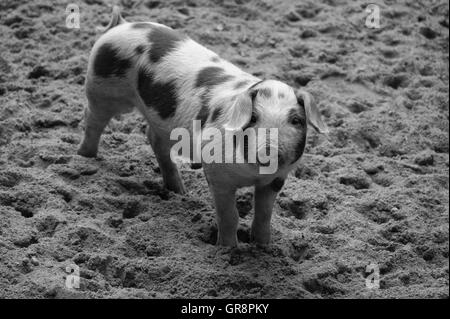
{"x": 175, "y": 78}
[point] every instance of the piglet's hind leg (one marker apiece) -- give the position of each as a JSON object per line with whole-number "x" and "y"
{"x": 96, "y": 120}
{"x": 169, "y": 170}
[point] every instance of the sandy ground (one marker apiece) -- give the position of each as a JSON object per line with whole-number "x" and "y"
{"x": 376, "y": 191}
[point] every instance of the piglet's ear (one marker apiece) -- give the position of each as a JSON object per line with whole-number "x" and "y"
{"x": 312, "y": 112}
{"x": 239, "y": 114}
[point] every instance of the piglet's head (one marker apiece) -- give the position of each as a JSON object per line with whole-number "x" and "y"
{"x": 275, "y": 105}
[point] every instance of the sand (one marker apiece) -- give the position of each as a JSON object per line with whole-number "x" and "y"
{"x": 375, "y": 191}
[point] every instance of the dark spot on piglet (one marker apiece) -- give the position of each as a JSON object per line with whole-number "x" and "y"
{"x": 157, "y": 95}
{"x": 211, "y": 76}
{"x": 203, "y": 113}
{"x": 163, "y": 40}
{"x": 216, "y": 114}
{"x": 108, "y": 62}
{"x": 277, "y": 184}
{"x": 139, "y": 49}
{"x": 265, "y": 92}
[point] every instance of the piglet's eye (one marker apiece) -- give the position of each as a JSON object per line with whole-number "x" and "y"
{"x": 297, "y": 120}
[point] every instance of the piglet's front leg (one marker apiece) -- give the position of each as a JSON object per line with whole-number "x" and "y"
{"x": 227, "y": 214}
{"x": 264, "y": 200}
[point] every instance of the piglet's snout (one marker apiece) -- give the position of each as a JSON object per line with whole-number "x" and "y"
{"x": 268, "y": 154}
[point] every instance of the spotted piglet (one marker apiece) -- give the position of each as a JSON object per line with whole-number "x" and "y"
{"x": 172, "y": 80}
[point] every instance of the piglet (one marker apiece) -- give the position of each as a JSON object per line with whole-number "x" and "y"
{"x": 173, "y": 81}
